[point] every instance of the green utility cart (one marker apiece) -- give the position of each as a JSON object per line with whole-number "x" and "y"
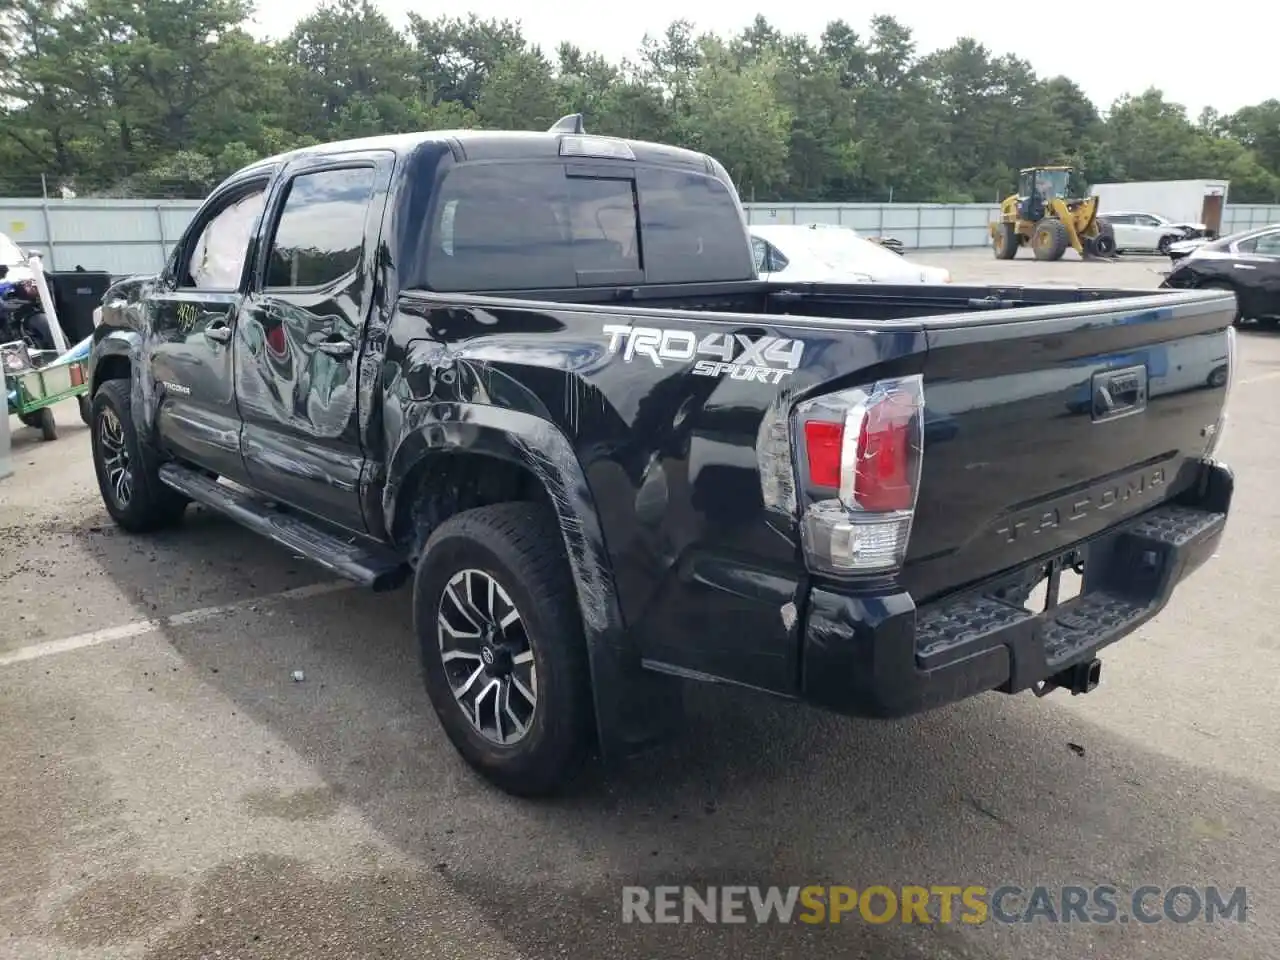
{"x": 33, "y": 388}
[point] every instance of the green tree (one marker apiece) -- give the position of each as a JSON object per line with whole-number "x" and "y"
{"x": 520, "y": 94}
{"x": 121, "y": 96}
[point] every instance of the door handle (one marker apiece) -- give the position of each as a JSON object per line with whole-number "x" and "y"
{"x": 336, "y": 348}
{"x": 218, "y": 332}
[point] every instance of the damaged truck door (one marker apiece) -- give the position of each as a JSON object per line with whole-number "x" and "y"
{"x": 190, "y": 315}
{"x": 299, "y": 333}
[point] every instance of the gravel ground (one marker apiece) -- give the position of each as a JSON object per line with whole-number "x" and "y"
{"x": 167, "y": 790}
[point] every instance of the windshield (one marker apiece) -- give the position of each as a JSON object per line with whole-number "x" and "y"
{"x": 10, "y": 253}
{"x": 1052, "y": 183}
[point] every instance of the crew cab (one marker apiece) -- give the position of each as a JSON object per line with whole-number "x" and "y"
{"x": 537, "y": 376}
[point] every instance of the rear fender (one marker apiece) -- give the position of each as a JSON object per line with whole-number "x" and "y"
{"x": 633, "y": 707}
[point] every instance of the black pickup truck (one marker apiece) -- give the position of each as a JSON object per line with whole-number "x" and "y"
{"x": 536, "y": 374}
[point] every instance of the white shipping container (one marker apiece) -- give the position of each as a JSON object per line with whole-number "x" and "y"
{"x": 1183, "y": 201}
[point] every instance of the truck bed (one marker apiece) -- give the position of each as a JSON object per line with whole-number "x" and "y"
{"x": 1015, "y": 465}
{"x": 851, "y": 302}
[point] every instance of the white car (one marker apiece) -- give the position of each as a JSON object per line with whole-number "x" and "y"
{"x": 1147, "y": 232}
{"x": 822, "y": 253}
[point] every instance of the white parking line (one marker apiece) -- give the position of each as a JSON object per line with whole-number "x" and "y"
{"x": 137, "y": 628}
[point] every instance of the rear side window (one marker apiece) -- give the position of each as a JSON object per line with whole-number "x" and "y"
{"x": 320, "y": 235}
{"x": 528, "y": 226}
{"x": 513, "y": 226}
{"x": 691, "y": 227}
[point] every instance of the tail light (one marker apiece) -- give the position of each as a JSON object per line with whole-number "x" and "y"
{"x": 858, "y": 463}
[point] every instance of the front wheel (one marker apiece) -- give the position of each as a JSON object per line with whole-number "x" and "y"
{"x": 503, "y": 654}
{"x": 1050, "y": 241}
{"x": 127, "y": 467}
{"x": 1163, "y": 247}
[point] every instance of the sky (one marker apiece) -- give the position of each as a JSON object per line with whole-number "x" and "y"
{"x": 1126, "y": 47}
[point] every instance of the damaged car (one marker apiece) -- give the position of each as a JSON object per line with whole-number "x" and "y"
{"x": 1245, "y": 263}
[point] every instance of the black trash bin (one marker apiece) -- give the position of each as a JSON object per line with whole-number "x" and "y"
{"x": 76, "y": 294}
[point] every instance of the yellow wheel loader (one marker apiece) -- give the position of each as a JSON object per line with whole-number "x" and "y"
{"x": 1041, "y": 216}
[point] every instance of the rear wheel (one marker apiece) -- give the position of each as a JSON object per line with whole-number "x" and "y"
{"x": 503, "y": 654}
{"x": 1005, "y": 241}
{"x": 1050, "y": 241}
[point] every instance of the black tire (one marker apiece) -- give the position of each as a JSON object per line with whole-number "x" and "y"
{"x": 1050, "y": 240}
{"x": 143, "y": 503}
{"x": 43, "y": 421}
{"x": 1104, "y": 244}
{"x": 1005, "y": 242}
{"x": 48, "y": 425}
{"x": 1165, "y": 242}
{"x": 518, "y": 546}
{"x": 86, "y": 409}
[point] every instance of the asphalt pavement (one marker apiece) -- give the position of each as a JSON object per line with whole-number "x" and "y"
{"x": 172, "y": 788}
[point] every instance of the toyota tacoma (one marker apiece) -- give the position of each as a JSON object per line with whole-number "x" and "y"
{"x": 536, "y": 376}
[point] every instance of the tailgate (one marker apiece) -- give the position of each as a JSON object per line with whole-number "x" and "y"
{"x": 1046, "y": 425}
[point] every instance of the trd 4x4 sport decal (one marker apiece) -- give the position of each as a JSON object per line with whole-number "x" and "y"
{"x": 764, "y": 359}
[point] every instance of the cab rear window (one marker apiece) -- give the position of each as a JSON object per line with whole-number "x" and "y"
{"x": 527, "y": 226}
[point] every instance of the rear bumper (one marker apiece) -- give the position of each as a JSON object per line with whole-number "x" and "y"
{"x": 880, "y": 656}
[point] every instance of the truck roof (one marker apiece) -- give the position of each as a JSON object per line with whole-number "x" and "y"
{"x": 497, "y": 144}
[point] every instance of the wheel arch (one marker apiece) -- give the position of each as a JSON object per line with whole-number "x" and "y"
{"x": 462, "y": 455}
{"x": 111, "y": 359}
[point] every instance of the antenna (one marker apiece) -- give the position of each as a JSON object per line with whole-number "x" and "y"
{"x": 572, "y": 123}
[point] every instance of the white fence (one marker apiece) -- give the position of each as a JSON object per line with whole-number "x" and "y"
{"x": 135, "y": 236}
{"x": 117, "y": 236}
{"x": 943, "y": 225}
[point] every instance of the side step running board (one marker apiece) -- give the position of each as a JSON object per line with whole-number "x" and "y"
{"x": 365, "y": 563}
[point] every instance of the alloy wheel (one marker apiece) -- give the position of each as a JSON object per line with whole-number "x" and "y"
{"x": 115, "y": 457}
{"x": 487, "y": 656}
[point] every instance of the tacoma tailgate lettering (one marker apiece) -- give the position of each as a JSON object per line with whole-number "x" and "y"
{"x": 1079, "y": 505}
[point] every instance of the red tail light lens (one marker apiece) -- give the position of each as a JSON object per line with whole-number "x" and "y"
{"x": 860, "y": 470}
{"x": 823, "y": 442}
{"x": 884, "y": 479}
